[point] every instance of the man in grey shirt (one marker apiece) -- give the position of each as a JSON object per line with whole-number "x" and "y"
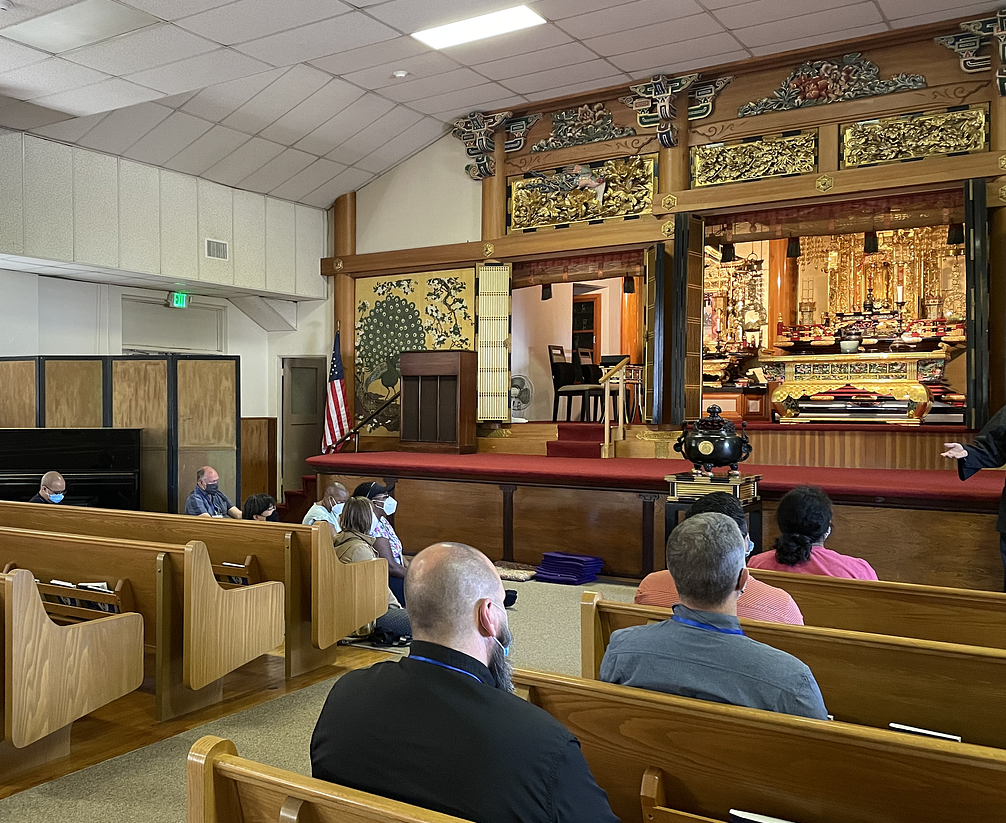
{"x": 702, "y": 651}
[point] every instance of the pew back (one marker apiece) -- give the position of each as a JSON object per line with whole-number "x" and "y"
{"x": 225, "y": 788}
{"x": 904, "y": 609}
{"x": 720, "y": 757}
{"x": 868, "y": 679}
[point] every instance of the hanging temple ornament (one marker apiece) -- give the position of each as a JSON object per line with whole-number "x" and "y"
{"x": 477, "y": 131}
{"x": 973, "y": 37}
{"x": 654, "y": 103}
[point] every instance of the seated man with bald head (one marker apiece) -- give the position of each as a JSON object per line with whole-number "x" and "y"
{"x": 206, "y": 499}
{"x": 441, "y": 729}
{"x": 51, "y": 490}
{"x": 329, "y": 507}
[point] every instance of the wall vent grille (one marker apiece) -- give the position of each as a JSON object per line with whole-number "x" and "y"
{"x": 217, "y": 249}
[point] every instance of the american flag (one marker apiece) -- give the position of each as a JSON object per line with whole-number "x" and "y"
{"x": 337, "y": 419}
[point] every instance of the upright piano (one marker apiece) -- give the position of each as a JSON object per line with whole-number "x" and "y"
{"x": 101, "y": 466}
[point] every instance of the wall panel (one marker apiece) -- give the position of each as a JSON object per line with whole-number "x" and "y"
{"x": 140, "y": 400}
{"x": 11, "y": 193}
{"x": 280, "y": 246}
{"x": 48, "y": 204}
{"x": 17, "y": 398}
{"x": 249, "y": 240}
{"x": 139, "y": 217}
{"x": 259, "y": 456}
{"x": 179, "y": 227}
{"x": 310, "y": 250}
{"x": 216, "y": 222}
{"x": 95, "y": 208}
{"x": 73, "y": 394}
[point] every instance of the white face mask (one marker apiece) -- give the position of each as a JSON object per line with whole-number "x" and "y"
{"x": 337, "y": 509}
{"x": 389, "y": 506}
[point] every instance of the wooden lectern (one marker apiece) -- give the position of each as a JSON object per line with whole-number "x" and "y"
{"x": 439, "y": 401}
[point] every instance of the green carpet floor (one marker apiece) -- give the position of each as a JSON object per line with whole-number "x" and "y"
{"x": 148, "y": 785}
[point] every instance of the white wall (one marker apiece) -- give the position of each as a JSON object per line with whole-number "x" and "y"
{"x": 18, "y": 314}
{"x": 428, "y": 200}
{"x": 537, "y": 324}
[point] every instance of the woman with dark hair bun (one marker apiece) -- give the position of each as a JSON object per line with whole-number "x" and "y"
{"x": 804, "y": 518}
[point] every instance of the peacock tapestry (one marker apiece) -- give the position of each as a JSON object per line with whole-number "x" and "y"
{"x": 430, "y": 311}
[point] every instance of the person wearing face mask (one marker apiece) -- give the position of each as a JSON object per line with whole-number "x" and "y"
{"x": 383, "y": 506}
{"x": 462, "y": 744}
{"x": 51, "y": 490}
{"x": 329, "y": 507}
{"x": 758, "y": 601}
{"x": 260, "y": 507}
{"x": 206, "y": 499}
{"x": 804, "y": 518}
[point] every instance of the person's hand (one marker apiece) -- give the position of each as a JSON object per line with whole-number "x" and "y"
{"x": 955, "y": 451}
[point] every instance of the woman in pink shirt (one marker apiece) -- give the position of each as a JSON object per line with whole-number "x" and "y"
{"x": 804, "y": 518}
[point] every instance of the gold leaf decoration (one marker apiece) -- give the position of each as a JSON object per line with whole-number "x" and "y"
{"x": 714, "y": 165}
{"x": 907, "y": 138}
{"x": 577, "y": 194}
{"x": 825, "y": 183}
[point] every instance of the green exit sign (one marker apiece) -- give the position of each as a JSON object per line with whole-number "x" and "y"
{"x": 178, "y": 300}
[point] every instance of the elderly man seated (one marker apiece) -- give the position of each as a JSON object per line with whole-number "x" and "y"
{"x": 702, "y": 651}
{"x": 440, "y": 728}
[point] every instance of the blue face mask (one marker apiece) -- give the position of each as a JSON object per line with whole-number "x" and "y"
{"x": 55, "y": 498}
{"x": 506, "y": 648}
{"x": 750, "y": 547}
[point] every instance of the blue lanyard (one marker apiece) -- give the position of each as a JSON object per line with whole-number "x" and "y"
{"x": 705, "y": 626}
{"x": 443, "y": 666}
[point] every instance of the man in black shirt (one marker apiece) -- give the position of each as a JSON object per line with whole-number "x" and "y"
{"x": 52, "y": 489}
{"x": 441, "y": 729}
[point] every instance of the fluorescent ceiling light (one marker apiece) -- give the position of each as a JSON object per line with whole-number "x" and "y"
{"x": 78, "y": 25}
{"x": 478, "y": 28}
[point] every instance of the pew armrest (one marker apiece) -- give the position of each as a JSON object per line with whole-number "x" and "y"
{"x": 225, "y": 628}
{"x": 57, "y": 674}
{"x": 344, "y": 596}
{"x": 652, "y": 797}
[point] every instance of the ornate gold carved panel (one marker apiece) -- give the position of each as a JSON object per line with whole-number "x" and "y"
{"x": 932, "y": 134}
{"x": 774, "y": 156}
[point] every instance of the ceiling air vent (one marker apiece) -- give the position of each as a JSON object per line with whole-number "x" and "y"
{"x": 217, "y": 249}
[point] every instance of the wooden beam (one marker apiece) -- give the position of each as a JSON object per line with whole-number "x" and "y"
{"x": 494, "y": 194}
{"x": 345, "y": 289}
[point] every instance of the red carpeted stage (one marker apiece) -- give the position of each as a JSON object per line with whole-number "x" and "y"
{"x": 919, "y": 526}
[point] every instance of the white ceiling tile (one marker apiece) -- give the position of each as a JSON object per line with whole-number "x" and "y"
{"x": 48, "y": 77}
{"x": 173, "y": 9}
{"x": 978, "y": 10}
{"x": 197, "y": 72}
{"x": 451, "y": 114}
{"x": 139, "y": 50}
{"x": 438, "y": 84}
{"x": 637, "y": 63}
{"x": 576, "y": 88}
{"x": 386, "y": 51}
{"x": 765, "y": 11}
{"x": 348, "y": 31}
{"x": 24, "y": 116}
{"x": 411, "y": 16}
{"x": 467, "y": 99}
{"x": 221, "y": 99}
{"x": 896, "y": 9}
{"x": 690, "y": 65}
{"x": 246, "y": 20}
{"x": 417, "y": 137}
{"x": 560, "y": 9}
{"x": 70, "y": 131}
{"x": 167, "y": 138}
{"x": 14, "y": 55}
{"x": 176, "y": 101}
{"x": 26, "y": 9}
{"x": 317, "y": 109}
{"x": 78, "y": 25}
{"x": 535, "y": 61}
{"x": 349, "y": 180}
{"x": 207, "y": 150}
{"x": 564, "y": 76}
{"x": 820, "y": 27}
{"x": 315, "y": 175}
{"x": 355, "y": 117}
{"x": 118, "y": 130}
{"x": 277, "y": 171}
{"x": 422, "y": 65}
{"x": 114, "y": 93}
{"x": 289, "y": 89}
{"x": 819, "y": 39}
{"x": 628, "y": 16}
{"x": 244, "y": 160}
{"x": 508, "y": 45}
{"x": 375, "y": 135}
{"x": 659, "y": 34}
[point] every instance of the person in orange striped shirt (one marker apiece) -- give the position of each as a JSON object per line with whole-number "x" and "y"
{"x": 758, "y": 601}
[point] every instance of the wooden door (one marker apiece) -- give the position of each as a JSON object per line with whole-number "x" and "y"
{"x": 587, "y": 324}
{"x": 304, "y": 383}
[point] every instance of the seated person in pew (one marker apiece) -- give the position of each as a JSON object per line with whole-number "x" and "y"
{"x": 354, "y": 544}
{"x": 383, "y": 505}
{"x": 702, "y": 651}
{"x": 260, "y": 507}
{"x": 459, "y": 743}
{"x": 206, "y": 499}
{"x": 758, "y": 601}
{"x": 329, "y": 507}
{"x": 51, "y": 490}
{"x": 804, "y": 518}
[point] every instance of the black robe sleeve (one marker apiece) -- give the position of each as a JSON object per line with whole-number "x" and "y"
{"x": 989, "y": 449}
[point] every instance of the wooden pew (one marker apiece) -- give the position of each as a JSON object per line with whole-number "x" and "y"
{"x": 322, "y": 606}
{"x": 965, "y": 616}
{"x": 197, "y": 631}
{"x": 52, "y": 675}
{"x": 868, "y": 679}
{"x": 717, "y": 757}
{"x": 224, "y": 788}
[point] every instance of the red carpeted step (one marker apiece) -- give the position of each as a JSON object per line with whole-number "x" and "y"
{"x": 572, "y": 448}
{"x": 581, "y": 432}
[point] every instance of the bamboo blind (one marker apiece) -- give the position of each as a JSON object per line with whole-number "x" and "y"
{"x": 493, "y": 336}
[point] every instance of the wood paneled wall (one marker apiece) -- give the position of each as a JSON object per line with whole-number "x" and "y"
{"x": 17, "y": 398}
{"x": 74, "y": 394}
{"x": 140, "y": 400}
{"x": 258, "y": 456}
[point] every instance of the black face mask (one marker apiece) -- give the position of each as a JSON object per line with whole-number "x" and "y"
{"x": 499, "y": 665}
{"x": 273, "y": 518}
{"x": 212, "y": 488}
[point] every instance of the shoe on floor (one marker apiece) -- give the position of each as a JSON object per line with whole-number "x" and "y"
{"x": 510, "y": 597}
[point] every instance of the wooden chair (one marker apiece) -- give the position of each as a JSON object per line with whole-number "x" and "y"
{"x": 717, "y": 757}
{"x": 566, "y": 383}
{"x": 52, "y": 675}
{"x": 904, "y": 609}
{"x": 224, "y": 788}
{"x": 867, "y": 679}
